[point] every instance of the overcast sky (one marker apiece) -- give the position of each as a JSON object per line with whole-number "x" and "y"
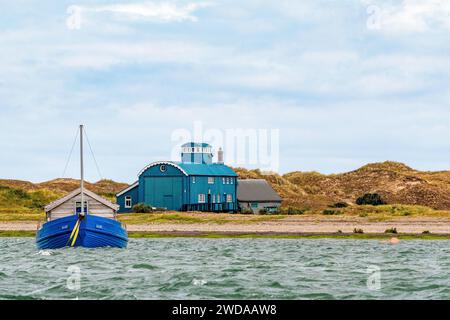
{"x": 346, "y": 82}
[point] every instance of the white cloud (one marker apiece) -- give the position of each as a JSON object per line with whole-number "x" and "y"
{"x": 409, "y": 15}
{"x": 161, "y": 11}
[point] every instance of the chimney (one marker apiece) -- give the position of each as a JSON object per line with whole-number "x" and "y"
{"x": 220, "y": 156}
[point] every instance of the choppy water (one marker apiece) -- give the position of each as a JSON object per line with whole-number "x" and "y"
{"x": 181, "y": 268}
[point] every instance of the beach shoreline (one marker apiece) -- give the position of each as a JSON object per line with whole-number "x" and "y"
{"x": 289, "y": 226}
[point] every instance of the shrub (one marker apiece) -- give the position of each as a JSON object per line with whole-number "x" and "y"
{"x": 391, "y": 230}
{"x": 426, "y": 232}
{"x": 373, "y": 199}
{"x": 142, "y": 208}
{"x": 339, "y": 231}
{"x": 328, "y": 212}
{"x": 247, "y": 211}
{"x": 18, "y": 193}
{"x": 296, "y": 211}
{"x": 292, "y": 210}
{"x": 363, "y": 214}
{"x": 263, "y": 211}
{"x": 339, "y": 205}
{"x": 358, "y": 230}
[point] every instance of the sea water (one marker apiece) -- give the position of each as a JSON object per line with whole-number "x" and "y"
{"x": 194, "y": 268}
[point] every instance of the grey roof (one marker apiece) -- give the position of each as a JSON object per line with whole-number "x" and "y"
{"x": 257, "y": 190}
{"x": 75, "y": 193}
{"x": 131, "y": 187}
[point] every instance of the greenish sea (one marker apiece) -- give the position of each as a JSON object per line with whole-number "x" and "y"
{"x": 195, "y": 268}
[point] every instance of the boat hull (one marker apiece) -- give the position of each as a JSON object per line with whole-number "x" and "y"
{"x": 94, "y": 232}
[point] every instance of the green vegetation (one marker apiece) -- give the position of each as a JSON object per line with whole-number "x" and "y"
{"x": 25, "y": 201}
{"x": 16, "y": 233}
{"x": 391, "y": 230}
{"x": 329, "y": 212}
{"x": 21, "y": 205}
{"x": 338, "y": 235}
{"x": 142, "y": 208}
{"x": 210, "y": 235}
{"x": 339, "y": 205}
{"x": 373, "y": 199}
{"x": 188, "y": 218}
{"x": 246, "y": 211}
{"x": 292, "y": 211}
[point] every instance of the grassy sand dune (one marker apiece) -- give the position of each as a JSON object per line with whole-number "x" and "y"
{"x": 418, "y": 202}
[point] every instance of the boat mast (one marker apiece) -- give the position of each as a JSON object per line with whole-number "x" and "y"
{"x": 82, "y": 171}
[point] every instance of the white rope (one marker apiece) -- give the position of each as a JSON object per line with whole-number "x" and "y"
{"x": 93, "y": 156}
{"x": 70, "y": 155}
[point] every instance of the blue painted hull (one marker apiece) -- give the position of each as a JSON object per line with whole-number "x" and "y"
{"x": 94, "y": 232}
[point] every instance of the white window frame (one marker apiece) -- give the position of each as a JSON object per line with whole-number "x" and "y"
{"x": 130, "y": 205}
{"x": 193, "y": 179}
{"x": 213, "y": 198}
{"x": 223, "y": 180}
{"x": 210, "y": 180}
{"x": 231, "y": 181}
{"x": 201, "y": 198}
{"x": 229, "y": 198}
{"x": 218, "y": 198}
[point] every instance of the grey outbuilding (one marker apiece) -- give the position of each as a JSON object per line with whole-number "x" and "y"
{"x": 257, "y": 195}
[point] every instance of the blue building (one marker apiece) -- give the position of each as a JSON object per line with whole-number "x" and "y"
{"x": 195, "y": 183}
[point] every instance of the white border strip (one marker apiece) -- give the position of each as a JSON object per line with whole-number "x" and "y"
{"x": 162, "y": 162}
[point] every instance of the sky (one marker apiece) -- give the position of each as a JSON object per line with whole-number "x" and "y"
{"x": 339, "y": 83}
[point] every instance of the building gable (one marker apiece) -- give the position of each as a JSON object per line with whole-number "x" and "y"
{"x": 162, "y": 168}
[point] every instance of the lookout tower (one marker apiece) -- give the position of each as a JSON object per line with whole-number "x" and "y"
{"x": 193, "y": 152}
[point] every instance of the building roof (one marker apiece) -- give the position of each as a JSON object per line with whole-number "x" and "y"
{"x": 201, "y": 169}
{"x": 256, "y": 190}
{"x": 196, "y": 144}
{"x": 196, "y": 169}
{"x": 131, "y": 187}
{"x": 76, "y": 192}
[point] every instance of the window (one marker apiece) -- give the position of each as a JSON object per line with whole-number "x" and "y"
{"x": 128, "y": 202}
{"x": 193, "y": 179}
{"x": 201, "y": 198}
{"x": 78, "y": 206}
{"x": 223, "y": 180}
{"x": 210, "y": 180}
{"x": 231, "y": 180}
{"x": 229, "y": 198}
{"x": 228, "y": 180}
{"x": 214, "y": 198}
{"x": 254, "y": 205}
{"x": 218, "y": 198}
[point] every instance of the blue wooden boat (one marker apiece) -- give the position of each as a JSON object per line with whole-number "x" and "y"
{"x": 93, "y": 232}
{"x": 80, "y": 228}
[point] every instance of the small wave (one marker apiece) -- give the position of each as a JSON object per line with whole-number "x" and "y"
{"x": 44, "y": 253}
{"x": 199, "y": 282}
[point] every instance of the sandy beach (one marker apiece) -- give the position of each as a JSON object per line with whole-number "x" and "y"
{"x": 288, "y": 225}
